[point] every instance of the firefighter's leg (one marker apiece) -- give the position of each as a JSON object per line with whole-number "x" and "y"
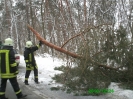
{"x": 27, "y": 74}
{"x": 36, "y": 74}
{"x": 16, "y": 88}
{"x": 3, "y": 88}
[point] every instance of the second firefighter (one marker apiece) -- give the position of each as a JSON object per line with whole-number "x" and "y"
{"x": 30, "y": 61}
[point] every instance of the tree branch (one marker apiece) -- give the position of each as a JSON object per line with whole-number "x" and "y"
{"x": 86, "y": 30}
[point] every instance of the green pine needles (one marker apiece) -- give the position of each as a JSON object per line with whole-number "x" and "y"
{"x": 107, "y": 57}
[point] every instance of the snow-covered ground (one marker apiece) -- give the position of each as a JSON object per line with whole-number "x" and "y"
{"x": 46, "y": 67}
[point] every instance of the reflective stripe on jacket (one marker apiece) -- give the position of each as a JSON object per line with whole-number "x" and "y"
{"x": 8, "y": 66}
{"x": 29, "y": 57}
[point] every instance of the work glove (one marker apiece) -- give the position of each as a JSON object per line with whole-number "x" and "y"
{"x": 40, "y": 43}
{"x": 28, "y": 64}
{"x": 31, "y": 67}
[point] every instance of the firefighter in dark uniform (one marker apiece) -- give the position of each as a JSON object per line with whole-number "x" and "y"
{"x": 30, "y": 61}
{"x": 8, "y": 69}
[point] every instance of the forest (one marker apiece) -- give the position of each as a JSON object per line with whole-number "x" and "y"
{"x": 100, "y": 32}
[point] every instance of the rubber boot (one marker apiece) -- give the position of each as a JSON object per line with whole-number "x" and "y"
{"x": 26, "y": 82}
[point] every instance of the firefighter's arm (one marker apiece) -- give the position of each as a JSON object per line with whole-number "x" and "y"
{"x": 37, "y": 46}
{"x": 12, "y": 58}
{"x": 13, "y": 64}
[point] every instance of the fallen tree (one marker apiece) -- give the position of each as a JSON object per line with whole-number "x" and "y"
{"x": 93, "y": 71}
{"x": 67, "y": 52}
{"x": 52, "y": 45}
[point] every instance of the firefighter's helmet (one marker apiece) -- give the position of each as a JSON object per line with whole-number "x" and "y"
{"x": 28, "y": 44}
{"x": 8, "y": 42}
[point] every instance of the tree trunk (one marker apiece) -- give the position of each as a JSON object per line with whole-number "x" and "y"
{"x": 52, "y": 45}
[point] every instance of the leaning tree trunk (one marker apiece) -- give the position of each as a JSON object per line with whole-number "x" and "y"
{"x": 52, "y": 45}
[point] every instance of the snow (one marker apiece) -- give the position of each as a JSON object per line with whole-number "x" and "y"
{"x": 46, "y": 70}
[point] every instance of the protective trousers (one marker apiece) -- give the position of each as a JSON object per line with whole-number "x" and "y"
{"x": 35, "y": 75}
{"x": 14, "y": 84}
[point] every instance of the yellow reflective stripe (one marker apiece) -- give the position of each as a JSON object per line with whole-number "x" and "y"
{"x": 0, "y": 66}
{"x": 28, "y": 64}
{"x": 14, "y": 64}
{"x": 30, "y": 58}
{"x": 38, "y": 46}
{"x": 36, "y": 67}
{"x": 7, "y": 59}
{"x": 26, "y": 78}
{"x": 16, "y": 72}
{"x": 26, "y": 61}
{"x": 8, "y": 75}
{"x": 18, "y": 92}
{"x": 28, "y": 68}
{"x": 31, "y": 67}
{"x": 4, "y": 51}
{"x": 2, "y": 93}
{"x": 36, "y": 76}
{"x": 7, "y": 62}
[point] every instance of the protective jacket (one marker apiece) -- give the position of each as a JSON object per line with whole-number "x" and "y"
{"x": 29, "y": 57}
{"x": 8, "y": 66}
